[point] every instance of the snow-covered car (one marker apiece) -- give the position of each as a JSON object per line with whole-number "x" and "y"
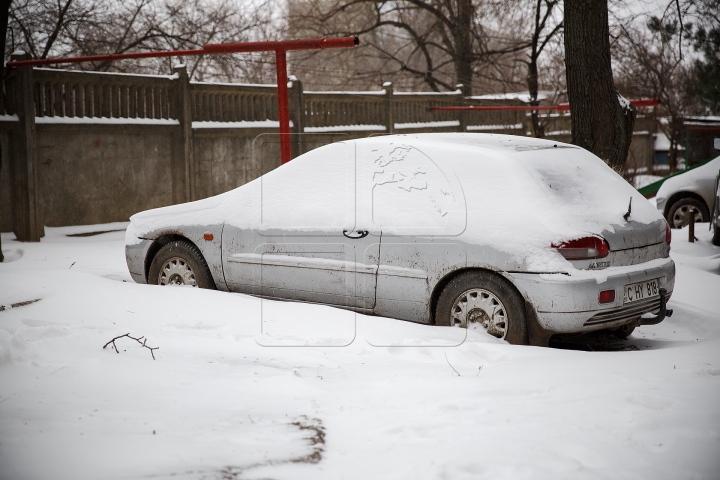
{"x": 690, "y": 191}
{"x": 523, "y": 237}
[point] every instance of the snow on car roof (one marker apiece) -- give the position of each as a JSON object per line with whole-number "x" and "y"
{"x": 506, "y": 143}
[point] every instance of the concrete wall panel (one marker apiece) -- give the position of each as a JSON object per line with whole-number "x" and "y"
{"x": 95, "y": 173}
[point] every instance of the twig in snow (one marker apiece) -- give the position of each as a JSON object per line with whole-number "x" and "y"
{"x": 448, "y": 361}
{"x": 19, "y": 304}
{"x": 139, "y": 340}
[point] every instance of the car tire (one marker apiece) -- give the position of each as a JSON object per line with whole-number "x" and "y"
{"x": 678, "y": 213}
{"x": 180, "y": 263}
{"x": 484, "y": 291}
{"x": 625, "y": 331}
{"x": 716, "y": 235}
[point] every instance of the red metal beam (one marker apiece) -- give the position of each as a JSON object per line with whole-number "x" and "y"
{"x": 285, "y": 45}
{"x": 104, "y": 58}
{"x": 486, "y": 108}
{"x": 563, "y": 107}
{"x": 279, "y": 47}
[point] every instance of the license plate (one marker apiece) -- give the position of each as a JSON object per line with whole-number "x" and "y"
{"x": 641, "y": 290}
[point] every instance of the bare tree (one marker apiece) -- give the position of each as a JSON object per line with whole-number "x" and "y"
{"x": 84, "y": 27}
{"x": 545, "y": 28}
{"x": 706, "y": 40}
{"x": 601, "y": 119}
{"x": 653, "y": 66}
{"x": 440, "y": 43}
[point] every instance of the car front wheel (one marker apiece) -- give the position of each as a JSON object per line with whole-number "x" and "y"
{"x": 480, "y": 299}
{"x": 180, "y": 263}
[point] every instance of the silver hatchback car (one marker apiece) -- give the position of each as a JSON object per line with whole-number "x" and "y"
{"x": 523, "y": 237}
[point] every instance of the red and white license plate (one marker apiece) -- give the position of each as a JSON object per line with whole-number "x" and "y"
{"x": 641, "y": 290}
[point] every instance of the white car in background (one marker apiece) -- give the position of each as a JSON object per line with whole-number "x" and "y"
{"x": 690, "y": 191}
{"x": 522, "y": 237}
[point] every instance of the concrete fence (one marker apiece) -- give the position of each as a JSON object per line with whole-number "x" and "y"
{"x": 85, "y": 148}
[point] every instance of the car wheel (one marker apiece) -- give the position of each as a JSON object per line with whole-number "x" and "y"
{"x": 625, "y": 331}
{"x": 679, "y": 213}
{"x": 180, "y": 263}
{"x": 485, "y": 300}
{"x": 716, "y": 235}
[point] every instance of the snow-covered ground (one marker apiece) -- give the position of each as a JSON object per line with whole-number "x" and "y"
{"x": 390, "y": 400}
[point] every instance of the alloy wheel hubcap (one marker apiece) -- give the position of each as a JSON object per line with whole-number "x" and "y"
{"x": 682, "y": 216}
{"x": 478, "y": 306}
{"x": 176, "y": 271}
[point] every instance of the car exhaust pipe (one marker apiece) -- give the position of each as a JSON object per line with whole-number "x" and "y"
{"x": 664, "y": 312}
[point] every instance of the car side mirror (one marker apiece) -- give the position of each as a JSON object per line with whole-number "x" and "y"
{"x": 716, "y": 143}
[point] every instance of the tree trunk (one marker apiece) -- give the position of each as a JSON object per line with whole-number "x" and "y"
{"x": 4, "y": 15}
{"x": 463, "y": 45}
{"x": 538, "y": 131}
{"x": 675, "y": 137}
{"x": 599, "y": 122}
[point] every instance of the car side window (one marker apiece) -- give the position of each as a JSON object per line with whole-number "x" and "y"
{"x": 314, "y": 192}
{"x": 402, "y": 189}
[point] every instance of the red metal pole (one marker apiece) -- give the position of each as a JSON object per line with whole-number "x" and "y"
{"x": 497, "y": 107}
{"x": 283, "y": 110}
{"x": 645, "y": 102}
{"x": 104, "y": 58}
{"x": 286, "y": 45}
{"x": 209, "y": 49}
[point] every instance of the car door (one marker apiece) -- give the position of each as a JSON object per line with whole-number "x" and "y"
{"x": 406, "y": 192}
{"x": 305, "y": 244}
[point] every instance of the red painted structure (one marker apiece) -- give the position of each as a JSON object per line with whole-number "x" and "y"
{"x": 563, "y": 107}
{"x": 279, "y": 47}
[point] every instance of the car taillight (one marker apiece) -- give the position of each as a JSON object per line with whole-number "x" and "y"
{"x": 583, "y": 248}
{"x": 668, "y": 233}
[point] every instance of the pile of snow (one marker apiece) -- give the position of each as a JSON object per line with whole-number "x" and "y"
{"x": 219, "y": 403}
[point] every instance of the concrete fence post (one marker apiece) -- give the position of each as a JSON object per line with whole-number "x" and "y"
{"x": 26, "y": 199}
{"x": 297, "y": 116}
{"x": 183, "y": 164}
{"x": 389, "y": 117}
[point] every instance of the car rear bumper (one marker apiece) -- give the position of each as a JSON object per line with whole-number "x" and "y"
{"x": 570, "y": 303}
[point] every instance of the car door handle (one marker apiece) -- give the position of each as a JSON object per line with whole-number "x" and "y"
{"x": 355, "y": 235}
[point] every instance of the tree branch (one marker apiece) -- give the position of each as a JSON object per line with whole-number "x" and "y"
{"x": 139, "y": 340}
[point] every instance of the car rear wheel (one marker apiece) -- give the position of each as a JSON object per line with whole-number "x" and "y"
{"x": 484, "y": 300}
{"x": 680, "y": 211}
{"x": 180, "y": 263}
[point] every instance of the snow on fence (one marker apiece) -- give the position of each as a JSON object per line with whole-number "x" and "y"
{"x": 65, "y": 94}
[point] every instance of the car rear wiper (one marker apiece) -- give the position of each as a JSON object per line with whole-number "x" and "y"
{"x": 627, "y": 215}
